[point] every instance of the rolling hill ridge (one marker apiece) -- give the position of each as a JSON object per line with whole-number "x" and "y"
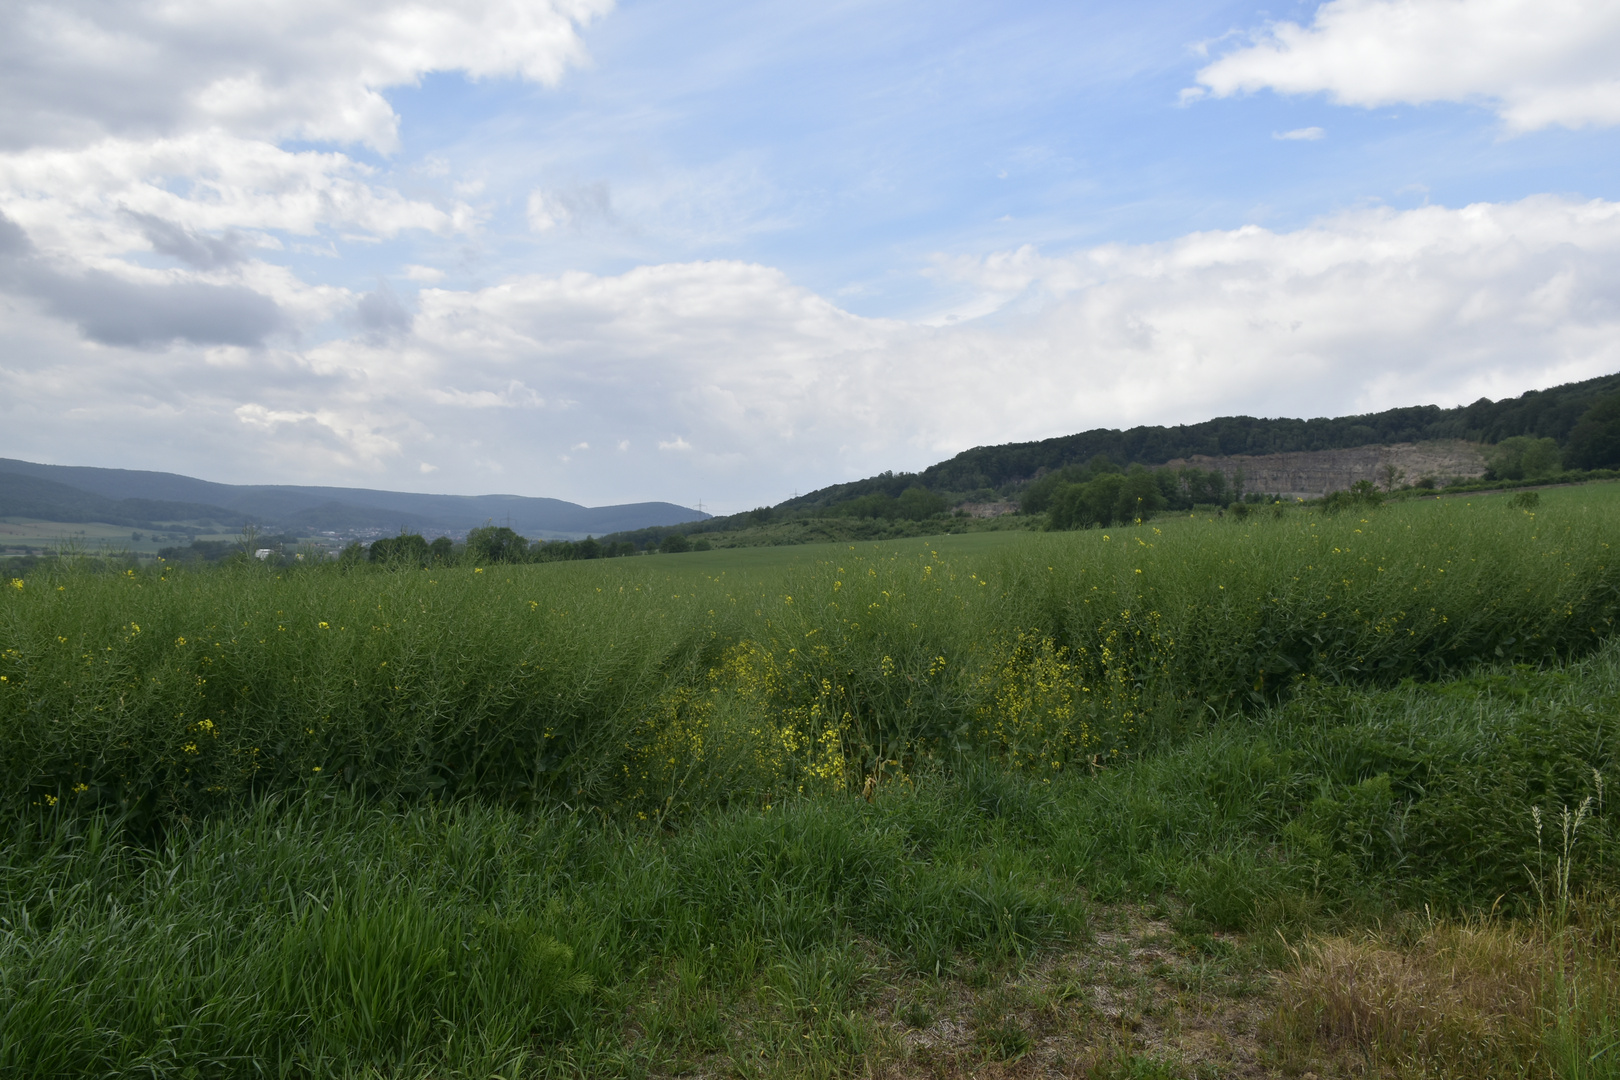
{"x": 141, "y": 498}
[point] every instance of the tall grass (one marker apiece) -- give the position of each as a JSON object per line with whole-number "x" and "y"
{"x": 637, "y": 685}
{"x": 329, "y": 934}
{"x": 323, "y": 937}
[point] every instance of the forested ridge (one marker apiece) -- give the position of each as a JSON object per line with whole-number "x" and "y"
{"x": 1575, "y": 426}
{"x": 1551, "y": 413}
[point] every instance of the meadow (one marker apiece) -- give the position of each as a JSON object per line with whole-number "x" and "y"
{"x": 823, "y": 810}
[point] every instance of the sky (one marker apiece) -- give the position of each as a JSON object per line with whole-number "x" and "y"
{"x": 726, "y": 251}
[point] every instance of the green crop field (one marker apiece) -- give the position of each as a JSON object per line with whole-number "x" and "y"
{"x": 19, "y": 536}
{"x": 920, "y": 807}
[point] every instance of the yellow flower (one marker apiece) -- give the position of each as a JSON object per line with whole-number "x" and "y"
{"x": 478, "y": 569}
{"x": 80, "y": 789}
{"x": 317, "y": 768}
{"x": 16, "y": 583}
{"x": 326, "y": 626}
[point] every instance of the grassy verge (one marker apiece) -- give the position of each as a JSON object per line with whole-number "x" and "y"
{"x": 953, "y": 920}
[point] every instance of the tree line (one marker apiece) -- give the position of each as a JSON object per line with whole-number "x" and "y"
{"x": 498, "y": 544}
{"x": 1582, "y": 419}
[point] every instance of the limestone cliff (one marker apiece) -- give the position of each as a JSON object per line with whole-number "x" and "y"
{"x": 1312, "y": 474}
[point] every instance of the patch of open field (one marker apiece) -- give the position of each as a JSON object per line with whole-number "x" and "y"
{"x": 20, "y": 536}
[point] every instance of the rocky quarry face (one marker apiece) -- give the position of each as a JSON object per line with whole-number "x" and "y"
{"x": 1310, "y": 474}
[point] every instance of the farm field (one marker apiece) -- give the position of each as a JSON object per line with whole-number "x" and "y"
{"x": 26, "y": 535}
{"x": 1190, "y": 798}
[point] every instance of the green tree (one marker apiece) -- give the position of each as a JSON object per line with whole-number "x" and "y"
{"x": 1594, "y": 443}
{"x": 1067, "y": 507}
{"x": 675, "y": 544}
{"x": 405, "y": 551}
{"x": 1139, "y": 496}
{"x": 442, "y": 551}
{"x": 552, "y": 551}
{"x": 1523, "y": 458}
{"x": 876, "y": 505}
{"x": 1037, "y": 497}
{"x": 1100, "y": 464}
{"x": 496, "y": 544}
{"x": 918, "y": 504}
{"x": 1203, "y": 488}
{"x": 1093, "y": 503}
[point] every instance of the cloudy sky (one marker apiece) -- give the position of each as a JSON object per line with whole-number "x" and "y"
{"x": 729, "y": 250}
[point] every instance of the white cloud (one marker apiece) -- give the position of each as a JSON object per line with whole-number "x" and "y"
{"x": 1305, "y": 134}
{"x": 353, "y": 438}
{"x": 1537, "y": 63}
{"x": 90, "y": 202}
{"x": 426, "y": 274}
{"x": 154, "y": 127}
{"x": 774, "y": 387}
{"x": 543, "y": 217}
{"x": 568, "y": 206}
{"x": 75, "y": 70}
{"x": 513, "y": 396}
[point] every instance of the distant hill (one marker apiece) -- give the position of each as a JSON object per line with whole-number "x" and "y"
{"x": 1279, "y": 455}
{"x": 1550, "y": 413}
{"x": 32, "y": 497}
{"x": 139, "y": 498}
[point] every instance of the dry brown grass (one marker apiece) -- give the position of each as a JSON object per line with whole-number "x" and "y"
{"x": 1459, "y": 1001}
{"x": 1485, "y": 998}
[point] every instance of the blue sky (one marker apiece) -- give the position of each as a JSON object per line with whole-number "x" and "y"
{"x": 850, "y": 145}
{"x": 728, "y": 251}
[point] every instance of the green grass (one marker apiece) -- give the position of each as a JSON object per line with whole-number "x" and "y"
{"x": 973, "y": 545}
{"x": 642, "y": 683}
{"x": 325, "y": 934}
{"x": 603, "y": 819}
